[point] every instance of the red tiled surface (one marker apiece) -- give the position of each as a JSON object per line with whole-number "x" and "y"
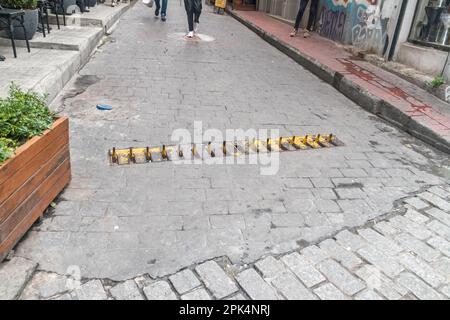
{"x": 412, "y": 100}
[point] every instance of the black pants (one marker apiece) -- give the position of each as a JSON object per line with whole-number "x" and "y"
{"x": 312, "y": 13}
{"x": 193, "y": 11}
{"x": 82, "y": 5}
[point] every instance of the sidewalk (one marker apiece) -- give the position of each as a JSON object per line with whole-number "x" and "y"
{"x": 376, "y": 90}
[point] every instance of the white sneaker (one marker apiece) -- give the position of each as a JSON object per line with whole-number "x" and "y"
{"x": 190, "y": 34}
{"x": 196, "y": 27}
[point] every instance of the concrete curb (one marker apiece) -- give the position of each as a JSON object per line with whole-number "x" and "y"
{"x": 353, "y": 91}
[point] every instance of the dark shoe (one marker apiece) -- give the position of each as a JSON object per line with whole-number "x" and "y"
{"x": 163, "y": 17}
{"x": 157, "y": 12}
{"x": 86, "y": 10}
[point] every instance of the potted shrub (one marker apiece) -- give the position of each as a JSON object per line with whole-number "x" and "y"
{"x": 34, "y": 162}
{"x": 31, "y": 17}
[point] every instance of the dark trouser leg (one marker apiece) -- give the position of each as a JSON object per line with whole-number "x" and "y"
{"x": 301, "y": 10}
{"x": 197, "y": 10}
{"x": 312, "y": 14}
{"x": 158, "y": 4}
{"x": 11, "y": 34}
{"x": 22, "y": 22}
{"x": 164, "y": 7}
{"x": 188, "y": 5}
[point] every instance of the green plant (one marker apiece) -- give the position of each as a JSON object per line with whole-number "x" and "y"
{"x": 22, "y": 115}
{"x": 437, "y": 81}
{"x": 19, "y": 4}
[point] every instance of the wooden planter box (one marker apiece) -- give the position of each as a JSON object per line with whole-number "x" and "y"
{"x": 31, "y": 180}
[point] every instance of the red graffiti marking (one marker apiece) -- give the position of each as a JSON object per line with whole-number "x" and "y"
{"x": 370, "y": 77}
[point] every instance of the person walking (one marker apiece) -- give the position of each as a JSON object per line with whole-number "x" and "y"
{"x": 193, "y": 11}
{"x": 311, "y": 19}
{"x": 163, "y": 8}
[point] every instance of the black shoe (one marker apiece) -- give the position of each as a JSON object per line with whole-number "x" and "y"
{"x": 2, "y": 58}
{"x": 163, "y": 17}
{"x": 86, "y": 10}
{"x": 157, "y": 12}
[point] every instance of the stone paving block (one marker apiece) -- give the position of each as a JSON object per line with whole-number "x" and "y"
{"x": 386, "y": 228}
{"x": 417, "y": 230}
{"x": 383, "y": 244}
{"x": 324, "y": 193}
{"x": 270, "y": 267}
{"x": 303, "y": 269}
{"x": 354, "y": 173}
{"x": 382, "y": 261}
{"x": 418, "y": 247}
{"x": 340, "y": 277}
{"x": 415, "y": 216}
{"x": 347, "y": 258}
{"x": 416, "y": 203}
{"x": 184, "y": 281}
{"x": 439, "y": 228}
{"x": 328, "y": 291}
{"x": 320, "y": 182}
{"x": 437, "y": 190}
{"x": 442, "y": 265}
{"x": 350, "y": 193}
{"x": 440, "y": 244}
{"x": 446, "y": 290}
{"x": 159, "y": 290}
{"x": 324, "y": 205}
{"x": 14, "y": 275}
{"x": 435, "y": 200}
{"x": 297, "y": 183}
{"x": 368, "y": 295}
{"x": 419, "y": 288}
{"x": 421, "y": 269}
{"x": 255, "y": 286}
{"x": 350, "y": 240}
{"x": 44, "y": 285}
{"x": 314, "y": 254}
{"x": 440, "y": 215}
{"x": 215, "y": 279}
{"x": 91, "y": 290}
{"x": 236, "y": 297}
{"x": 197, "y": 294}
{"x": 127, "y": 290}
{"x": 375, "y": 279}
{"x": 227, "y": 221}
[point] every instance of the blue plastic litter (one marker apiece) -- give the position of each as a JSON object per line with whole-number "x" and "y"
{"x": 103, "y": 107}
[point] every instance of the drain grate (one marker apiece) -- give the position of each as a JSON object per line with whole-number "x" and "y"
{"x": 206, "y": 150}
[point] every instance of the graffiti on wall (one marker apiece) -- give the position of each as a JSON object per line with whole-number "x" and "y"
{"x": 332, "y": 23}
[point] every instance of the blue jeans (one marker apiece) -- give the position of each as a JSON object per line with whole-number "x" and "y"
{"x": 164, "y": 6}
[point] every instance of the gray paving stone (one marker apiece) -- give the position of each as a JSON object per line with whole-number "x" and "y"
{"x": 197, "y": 294}
{"x": 446, "y": 290}
{"x": 439, "y": 228}
{"x": 386, "y": 228}
{"x": 320, "y": 182}
{"x": 297, "y": 183}
{"x": 328, "y": 291}
{"x": 417, "y": 230}
{"x": 419, "y": 288}
{"x": 421, "y": 269}
{"x": 340, "y": 277}
{"x": 215, "y": 279}
{"x": 435, "y": 200}
{"x": 376, "y": 280}
{"x": 383, "y": 244}
{"x": 184, "y": 281}
{"x": 236, "y": 297}
{"x": 324, "y": 205}
{"x": 350, "y": 193}
{"x": 303, "y": 269}
{"x": 440, "y": 215}
{"x": 415, "y": 216}
{"x": 384, "y": 262}
{"x": 14, "y": 275}
{"x": 442, "y": 266}
{"x": 159, "y": 290}
{"x": 346, "y": 257}
{"x": 350, "y": 240}
{"x": 127, "y": 290}
{"x": 91, "y": 290}
{"x": 44, "y": 285}
{"x": 441, "y": 244}
{"x": 437, "y": 190}
{"x": 416, "y": 203}
{"x": 255, "y": 286}
{"x": 314, "y": 254}
{"x": 276, "y": 273}
{"x": 368, "y": 295}
{"x": 418, "y": 247}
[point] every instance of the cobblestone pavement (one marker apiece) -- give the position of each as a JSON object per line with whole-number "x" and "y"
{"x": 118, "y": 223}
{"x": 405, "y": 255}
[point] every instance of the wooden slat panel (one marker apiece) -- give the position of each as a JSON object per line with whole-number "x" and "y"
{"x": 21, "y": 212}
{"x": 22, "y": 193}
{"x": 25, "y": 153}
{"x": 22, "y": 176}
{"x": 63, "y": 174}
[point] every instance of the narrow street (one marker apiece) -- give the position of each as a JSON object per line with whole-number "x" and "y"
{"x": 121, "y": 222}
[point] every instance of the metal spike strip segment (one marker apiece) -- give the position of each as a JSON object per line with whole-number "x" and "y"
{"x": 227, "y": 148}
